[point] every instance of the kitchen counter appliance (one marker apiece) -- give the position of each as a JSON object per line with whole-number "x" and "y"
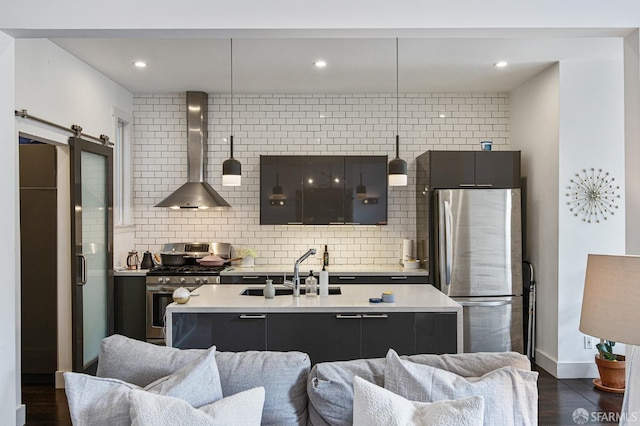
{"x": 476, "y": 259}
{"x": 162, "y": 280}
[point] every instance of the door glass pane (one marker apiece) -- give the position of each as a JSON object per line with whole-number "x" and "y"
{"x": 94, "y": 248}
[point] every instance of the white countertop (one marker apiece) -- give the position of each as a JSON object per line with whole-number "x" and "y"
{"x": 333, "y": 269}
{"x": 354, "y": 298}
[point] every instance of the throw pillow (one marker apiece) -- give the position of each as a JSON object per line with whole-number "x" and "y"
{"x": 373, "y": 405}
{"x": 510, "y": 395}
{"x": 244, "y": 408}
{"x": 103, "y": 401}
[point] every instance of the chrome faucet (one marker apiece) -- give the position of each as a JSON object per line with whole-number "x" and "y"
{"x": 295, "y": 284}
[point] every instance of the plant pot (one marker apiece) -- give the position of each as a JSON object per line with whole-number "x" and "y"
{"x": 612, "y": 372}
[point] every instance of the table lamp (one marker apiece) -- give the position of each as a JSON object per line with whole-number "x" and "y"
{"x": 611, "y": 309}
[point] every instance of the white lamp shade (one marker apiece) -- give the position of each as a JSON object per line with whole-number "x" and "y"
{"x": 611, "y": 301}
{"x": 231, "y": 180}
{"x": 397, "y": 180}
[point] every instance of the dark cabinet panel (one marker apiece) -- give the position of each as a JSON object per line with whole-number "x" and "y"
{"x": 228, "y": 331}
{"x": 452, "y": 169}
{"x": 384, "y": 331}
{"x": 365, "y": 195}
{"x": 130, "y": 303}
{"x": 323, "y": 190}
{"x": 499, "y": 169}
{"x": 469, "y": 169}
{"x": 436, "y": 332}
{"x": 348, "y": 279}
{"x": 280, "y": 190}
{"x": 250, "y": 279}
{"x": 324, "y": 336}
{"x": 399, "y": 279}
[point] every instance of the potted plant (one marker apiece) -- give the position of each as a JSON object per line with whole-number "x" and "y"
{"x": 610, "y": 366}
{"x": 248, "y": 256}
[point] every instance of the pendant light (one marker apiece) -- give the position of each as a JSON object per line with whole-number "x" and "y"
{"x": 397, "y": 166}
{"x": 231, "y": 168}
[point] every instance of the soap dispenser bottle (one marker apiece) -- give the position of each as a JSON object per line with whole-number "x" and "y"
{"x": 324, "y": 282}
{"x": 269, "y": 290}
{"x": 311, "y": 285}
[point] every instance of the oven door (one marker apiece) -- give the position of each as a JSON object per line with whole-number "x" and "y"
{"x": 157, "y": 301}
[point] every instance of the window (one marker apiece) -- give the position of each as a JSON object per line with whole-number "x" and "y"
{"x": 122, "y": 202}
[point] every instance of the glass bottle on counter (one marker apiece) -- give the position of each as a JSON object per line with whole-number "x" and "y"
{"x": 311, "y": 285}
{"x": 325, "y": 256}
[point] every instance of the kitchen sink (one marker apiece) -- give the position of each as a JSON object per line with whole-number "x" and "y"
{"x": 281, "y": 291}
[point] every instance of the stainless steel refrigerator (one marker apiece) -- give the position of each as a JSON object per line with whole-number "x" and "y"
{"x": 476, "y": 259}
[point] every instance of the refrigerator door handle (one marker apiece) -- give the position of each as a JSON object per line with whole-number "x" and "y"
{"x": 446, "y": 247}
{"x": 485, "y": 303}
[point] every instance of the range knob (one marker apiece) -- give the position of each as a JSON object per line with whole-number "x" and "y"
{"x": 183, "y": 280}
{"x": 167, "y": 280}
{"x": 198, "y": 280}
{"x": 205, "y": 280}
{"x": 161, "y": 280}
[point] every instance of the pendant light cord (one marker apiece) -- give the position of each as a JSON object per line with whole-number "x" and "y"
{"x": 397, "y": 104}
{"x": 231, "y": 72}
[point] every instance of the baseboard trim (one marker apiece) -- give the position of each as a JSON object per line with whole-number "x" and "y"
{"x": 21, "y": 415}
{"x": 60, "y": 379}
{"x": 566, "y": 370}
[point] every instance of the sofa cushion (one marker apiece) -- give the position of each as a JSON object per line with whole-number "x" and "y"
{"x": 244, "y": 408}
{"x": 510, "y": 395}
{"x": 104, "y": 401}
{"x": 282, "y": 374}
{"x": 373, "y": 405}
{"x": 330, "y": 387}
{"x": 140, "y": 363}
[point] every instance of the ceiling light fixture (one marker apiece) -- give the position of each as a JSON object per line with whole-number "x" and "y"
{"x": 501, "y": 64}
{"x": 397, "y": 166}
{"x": 140, "y": 64}
{"x": 231, "y": 168}
{"x": 320, "y": 63}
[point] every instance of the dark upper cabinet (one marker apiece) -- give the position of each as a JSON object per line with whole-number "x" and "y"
{"x": 280, "y": 190}
{"x": 472, "y": 169}
{"x": 365, "y": 195}
{"x": 323, "y": 190}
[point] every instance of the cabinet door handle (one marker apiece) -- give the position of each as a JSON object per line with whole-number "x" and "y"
{"x": 348, "y": 316}
{"x": 83, "y": 270}
{"x": 470, "y": 185}
{"x": 484, "y": 185}
{"x": 352, "y": 223}
{"x": 346, "y": 278}
{"x": 336, "y": 223}
{"x": 294, "y": 223}
{"x": 255, "y": 316}
{"x": 398, "y": 278}
{"x": 254, "y": 277}
{"x": 375, "y": 316}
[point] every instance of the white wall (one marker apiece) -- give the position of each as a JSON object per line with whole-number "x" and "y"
{"x": 591, "y": 135}
{"x": 10, "y": 250}
{"x": 53, "y": 85}
{"x": 296, "y": 125}
{"x": 535, "y": 122}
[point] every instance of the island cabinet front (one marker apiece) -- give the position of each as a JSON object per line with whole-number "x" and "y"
{"x": 325, "y": 336}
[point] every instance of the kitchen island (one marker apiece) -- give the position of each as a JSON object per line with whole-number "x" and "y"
{"x": 335, "y": 327}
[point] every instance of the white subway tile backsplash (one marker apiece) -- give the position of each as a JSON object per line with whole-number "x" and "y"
{"x": 321, "y": 124}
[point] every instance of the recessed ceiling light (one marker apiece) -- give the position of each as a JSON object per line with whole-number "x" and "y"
{"x": 320, "y": 63}
{"x": 501, "y": 64}
{"x": 140, "y": 64}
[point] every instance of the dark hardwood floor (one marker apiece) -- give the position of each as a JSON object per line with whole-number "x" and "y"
{"x": 558, "y": 399}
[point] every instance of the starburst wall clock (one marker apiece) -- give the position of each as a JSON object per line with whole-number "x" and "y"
{"x": 592, "y": 195}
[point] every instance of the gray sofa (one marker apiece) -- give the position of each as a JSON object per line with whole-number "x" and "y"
{"x": 297, "y": 394}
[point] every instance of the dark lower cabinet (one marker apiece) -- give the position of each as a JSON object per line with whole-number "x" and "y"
{"x": 436, "y": 332}
{"x": 384, "y": 331}
{"x": 230, "y": 332}
{"x": 324, "y": 336}
{"x": 130, "y": 301}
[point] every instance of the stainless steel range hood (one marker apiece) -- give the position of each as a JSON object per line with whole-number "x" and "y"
{"x": 196, "y": 193}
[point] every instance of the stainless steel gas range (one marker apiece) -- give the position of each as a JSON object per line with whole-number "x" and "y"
{"x": 162, "y": 280}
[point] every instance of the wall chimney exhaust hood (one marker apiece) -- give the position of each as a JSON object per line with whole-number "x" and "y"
{"x": 196, "y": 193}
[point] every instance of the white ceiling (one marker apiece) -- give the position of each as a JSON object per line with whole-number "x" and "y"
{"x": 355, "y": 65}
